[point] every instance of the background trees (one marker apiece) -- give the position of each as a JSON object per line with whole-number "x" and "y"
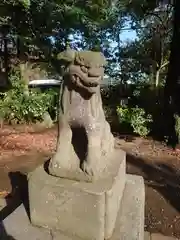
{"x": 33, "y": 32}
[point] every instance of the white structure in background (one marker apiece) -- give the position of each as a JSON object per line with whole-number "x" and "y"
{"x": 44, "y": 82}
{"x": 55, "y": 82}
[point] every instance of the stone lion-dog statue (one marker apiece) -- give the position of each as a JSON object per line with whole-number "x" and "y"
{"x": 85, "y": 141}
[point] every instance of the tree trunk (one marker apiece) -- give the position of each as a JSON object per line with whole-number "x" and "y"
{"x": 172, "y": 86}
{"x": 157, "y": 78}
{"x": 18, "y": 44}
{"x": 23, "y": 70}
{"x": 6, "y": 59}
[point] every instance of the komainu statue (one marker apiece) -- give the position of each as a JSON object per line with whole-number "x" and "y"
{"x": 85, "y": 142}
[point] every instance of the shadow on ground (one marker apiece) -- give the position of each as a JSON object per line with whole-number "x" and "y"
{"x": 18, "y": 195}
{"x": 162, "y": 195}
{"x": 162, "y": 177}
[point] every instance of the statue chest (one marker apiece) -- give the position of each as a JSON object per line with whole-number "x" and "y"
{"x": 79, "y": 109}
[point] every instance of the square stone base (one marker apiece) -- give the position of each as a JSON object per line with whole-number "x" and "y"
{"x": 129, "y": 222}
{"x": 79, "y": 209}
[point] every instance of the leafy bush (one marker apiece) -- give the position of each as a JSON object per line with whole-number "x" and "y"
{"x": 18, "y": 107}
{"x": 136, "y": 118}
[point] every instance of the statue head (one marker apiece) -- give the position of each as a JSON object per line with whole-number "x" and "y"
{"x": 84, "y": 69}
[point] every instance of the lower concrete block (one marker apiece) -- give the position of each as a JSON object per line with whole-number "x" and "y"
{"x": 18, "y": 227}
{"x": 78, "y": 209}
{"x": 130, "y": 220}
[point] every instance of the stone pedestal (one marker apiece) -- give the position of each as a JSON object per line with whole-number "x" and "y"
{"x": 129, "y": 222}
{"x": 80, "y": 209}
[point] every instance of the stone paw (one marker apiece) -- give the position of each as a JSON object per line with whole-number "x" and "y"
{"x": 87, "y": 168}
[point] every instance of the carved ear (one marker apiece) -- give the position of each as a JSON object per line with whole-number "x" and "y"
{"x": 67, "y": 56}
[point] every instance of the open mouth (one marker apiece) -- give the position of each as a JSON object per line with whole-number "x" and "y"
{"x": 83, "y": 79}
{"x": 88, "y": 86}
{"x": 88, "y": 82}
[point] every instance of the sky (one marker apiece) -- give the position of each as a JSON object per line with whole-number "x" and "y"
{"x": 128, "y": 35}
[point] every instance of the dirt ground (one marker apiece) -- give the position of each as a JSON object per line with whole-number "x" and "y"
{"x": 22, "y": 148}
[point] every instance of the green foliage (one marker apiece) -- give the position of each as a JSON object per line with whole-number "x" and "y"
{"x": 177, "y": 126}
{"x": 147, "y": 57}
{"x": 17, "y": 107}
{"x": 25, "y": 3}
{"x": 30, "y": 24}
{"x": 136, "y": 118}
{"x": 36, "y": 30}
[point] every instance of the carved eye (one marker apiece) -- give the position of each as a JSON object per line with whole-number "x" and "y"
{"x": 84, "y": 69}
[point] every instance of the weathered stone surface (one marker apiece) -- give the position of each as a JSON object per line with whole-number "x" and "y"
{"x": 85, "y": 210}
{"x": 85, "y": 143}
{"x": 113, "y": 198}
{"x": 130, "y": 220}
{"x": 56, "y": 235}
{"x": 147, "y": 236}
{"x": 18, "y": 227}
{"x": 129, "y": 224}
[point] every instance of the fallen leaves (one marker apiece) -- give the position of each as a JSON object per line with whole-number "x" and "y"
{"x": 17, "y": 142}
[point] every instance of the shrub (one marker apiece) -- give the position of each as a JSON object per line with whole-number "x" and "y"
{"x": 136, "y": 118}
{"x": 18, "y": 107}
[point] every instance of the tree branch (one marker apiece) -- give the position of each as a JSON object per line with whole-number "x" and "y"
{"x": 166, "y": 63}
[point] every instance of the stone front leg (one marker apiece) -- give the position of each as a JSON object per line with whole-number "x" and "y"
{"x": 61, "y": 159}
{"x": 93, "y": 158}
